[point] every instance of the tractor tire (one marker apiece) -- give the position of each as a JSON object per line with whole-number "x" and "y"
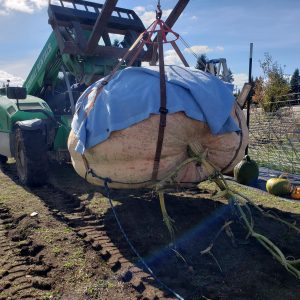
{"x": 31, "y": 157}
{"x": 3, "y": 159}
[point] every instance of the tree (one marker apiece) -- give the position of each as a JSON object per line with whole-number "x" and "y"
{"x": 275, "y": 85}
{"x": 295, "y": 82}
{"x": 258, "y": 95}
{"x": 230, "y": 76}
{"x": 201, "y": 62}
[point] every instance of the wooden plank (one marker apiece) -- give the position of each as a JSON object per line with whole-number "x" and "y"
{"x": 244, "y": 95}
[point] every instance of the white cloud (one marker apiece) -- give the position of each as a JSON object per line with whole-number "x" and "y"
{"x": 25, "y": 6}
{"x": 171, "y": 58}
{"x": 202, "y": 49}
{"x": 194, "y": 18}
{"x": 3, "y": 12}
{"x": 139, "y": 9}
{"x": 20, "y": 67}
{"x": 219, "y": 49}
{"x": 240, "y": 79}
{"x": 148, "y": 16}
{"x": 199, "y": 49}
{"x": 14, "y": 80}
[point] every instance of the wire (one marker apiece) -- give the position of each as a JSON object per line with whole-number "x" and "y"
{"x": 189, "y": 48}
{"x": 107, "y": 190}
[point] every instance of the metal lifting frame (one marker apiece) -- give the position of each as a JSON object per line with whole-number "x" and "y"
{"x": 145, "y": 38}
{"x": 71, "y": 19}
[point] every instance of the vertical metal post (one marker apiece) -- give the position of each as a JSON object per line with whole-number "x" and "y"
{"x": 249, "y": 96}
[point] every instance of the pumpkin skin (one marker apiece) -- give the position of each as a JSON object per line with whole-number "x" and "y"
{"x": 246, "y": 171}
{"x": 296, "y": 193}
{"x": 279, "y": 186}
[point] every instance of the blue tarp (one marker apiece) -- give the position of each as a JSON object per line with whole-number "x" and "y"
{"x": 134, "y": 94}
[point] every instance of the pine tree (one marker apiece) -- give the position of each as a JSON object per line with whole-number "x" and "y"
{"x": 201, "y": 62}
{"x": 230, "y": 76}
{"x": 295, "y": 82}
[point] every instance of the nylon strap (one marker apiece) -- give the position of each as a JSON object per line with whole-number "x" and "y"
{"x": 163, "y": 94}
{"x": 163, "y": 109}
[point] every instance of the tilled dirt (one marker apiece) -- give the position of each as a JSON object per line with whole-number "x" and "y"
{"x": 41, "y": 257}
{"x": 77, "y": 251}
{"x": 22, "y": 271}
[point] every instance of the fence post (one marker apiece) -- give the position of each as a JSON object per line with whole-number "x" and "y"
{"x": 249, "y": 96}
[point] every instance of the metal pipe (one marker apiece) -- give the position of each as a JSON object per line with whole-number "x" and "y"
{"x": 249, "y": 96}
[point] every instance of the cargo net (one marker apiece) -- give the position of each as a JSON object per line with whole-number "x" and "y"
{"x": 275, "y": 135}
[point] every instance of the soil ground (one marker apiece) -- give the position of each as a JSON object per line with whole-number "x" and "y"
{"x": 73, "y": 248}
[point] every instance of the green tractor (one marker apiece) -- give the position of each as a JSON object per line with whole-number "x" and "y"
{"x": 24, "y": 121}
{"x": 86, "y": 43}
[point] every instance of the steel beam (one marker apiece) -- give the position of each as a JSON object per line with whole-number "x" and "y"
{"x": 176, "y": 12}
{"x": 100, "y": 25}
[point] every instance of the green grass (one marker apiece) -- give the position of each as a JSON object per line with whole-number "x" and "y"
{"x": 259, "y": 197}
{"x": 76, "y": 259}
{"x": 57, "y": 250}
{"x": 94, "y": 291}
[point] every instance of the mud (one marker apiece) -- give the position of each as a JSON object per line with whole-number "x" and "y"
{"x": 235, "y": 268}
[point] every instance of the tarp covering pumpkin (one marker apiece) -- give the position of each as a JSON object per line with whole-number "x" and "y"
{"x": 118, "y": 136}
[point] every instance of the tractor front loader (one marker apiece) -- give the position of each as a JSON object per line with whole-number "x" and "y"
{"x": 86, "y": 43}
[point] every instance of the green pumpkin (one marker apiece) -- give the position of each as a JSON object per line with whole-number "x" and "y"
{"x": 246, "y": 171}
{"x": 279, "y": 186}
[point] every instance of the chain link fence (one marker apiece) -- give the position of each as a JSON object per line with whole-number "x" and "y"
{"x": 275, "y": 136}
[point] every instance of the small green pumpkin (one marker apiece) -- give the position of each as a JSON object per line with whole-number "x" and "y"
{"x": 246, "y": 171}
{"x": 279, "y": 186}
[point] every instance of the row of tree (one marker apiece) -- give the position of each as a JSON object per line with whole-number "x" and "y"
{"x": 273, "y": 88}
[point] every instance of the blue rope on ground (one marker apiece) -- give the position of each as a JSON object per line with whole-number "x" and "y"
{"x": 107, "y": 190}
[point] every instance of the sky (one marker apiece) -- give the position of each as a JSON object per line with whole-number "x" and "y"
{"x": 217, "y": 28}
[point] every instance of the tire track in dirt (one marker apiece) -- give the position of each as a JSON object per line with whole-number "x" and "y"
{"x": 93, "y": 230}
{"x": 23, "y": 274}
{"x": 83, "y": 208}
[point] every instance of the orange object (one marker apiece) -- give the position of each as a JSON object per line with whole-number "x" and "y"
{"x": 296, "y": 193}
{"x": 127, "y": 155}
